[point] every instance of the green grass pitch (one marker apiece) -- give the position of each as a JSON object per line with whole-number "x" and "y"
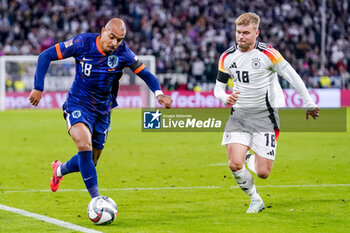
{"x": 31, "y": 139}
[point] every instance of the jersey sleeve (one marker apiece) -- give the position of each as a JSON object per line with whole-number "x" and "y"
{"x": 57, "y": 52}
{"x": 223, "y": 74}
{"x": 286, "y": 71}
{"x": 70, "y": 47}
{"x": 274, "y": 56}
{"x": 132, "y": 61}
{"x": 221, "y": 80}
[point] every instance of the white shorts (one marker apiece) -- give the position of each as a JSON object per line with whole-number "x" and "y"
{"x": 259, "y": 131}
{"x": 263, "y": 144}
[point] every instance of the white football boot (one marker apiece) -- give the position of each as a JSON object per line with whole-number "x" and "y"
{"x": 256, "y": 206}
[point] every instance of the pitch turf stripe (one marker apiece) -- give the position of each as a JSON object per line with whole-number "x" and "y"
{"x": 48, "y": 219}
{"x": 174, "y": 188}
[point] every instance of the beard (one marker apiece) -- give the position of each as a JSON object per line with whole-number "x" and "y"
{"x": 244, "y": 46}
{"x": 109, "y": 51}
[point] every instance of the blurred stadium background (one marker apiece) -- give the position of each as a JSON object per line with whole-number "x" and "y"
{"x": 186, "y": 38}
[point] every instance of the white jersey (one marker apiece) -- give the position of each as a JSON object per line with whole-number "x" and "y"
{"x": 254, "y": 74}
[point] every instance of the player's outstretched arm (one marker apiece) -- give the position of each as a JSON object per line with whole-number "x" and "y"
{"x": 153, "y": 84}
{"x": 42, "y": 66}
{"x": 164, "y": 100}
{"x": 285, "y": 70}
{"x": 314, "y": 113}
{"x": 288, "y": 73}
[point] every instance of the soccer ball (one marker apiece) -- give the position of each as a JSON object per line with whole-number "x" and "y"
{"x": 102, "y": 210}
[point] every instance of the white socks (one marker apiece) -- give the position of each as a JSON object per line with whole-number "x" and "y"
{"x": 246, "y": 182}
{"x": 58, "y": 171}
{"x": 251, "y": 163}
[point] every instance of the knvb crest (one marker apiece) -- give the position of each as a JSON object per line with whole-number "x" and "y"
{"x": 76, "y": 114}
{"x": 113, "y": 61}
{"x": 151, "y": 120}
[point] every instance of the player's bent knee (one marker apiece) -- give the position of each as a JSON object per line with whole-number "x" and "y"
{"x": 263, "y": 174}
{"x": 83, "y": 146}
{"x": 235, "y": 166}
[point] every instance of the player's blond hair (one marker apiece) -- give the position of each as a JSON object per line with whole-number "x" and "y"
{"x": 248, "y": 18}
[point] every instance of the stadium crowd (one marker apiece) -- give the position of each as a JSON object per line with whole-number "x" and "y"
{"x": 188, "y": 36}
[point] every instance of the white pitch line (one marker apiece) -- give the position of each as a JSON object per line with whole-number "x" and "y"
{"x": 218, "y": 164}
{"x": 303, "y": 185}
{"x": 176, "y": 188}
{"x": 48, "y": 219}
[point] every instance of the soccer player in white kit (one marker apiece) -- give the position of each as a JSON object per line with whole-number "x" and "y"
{"x": 256, "y": 97}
